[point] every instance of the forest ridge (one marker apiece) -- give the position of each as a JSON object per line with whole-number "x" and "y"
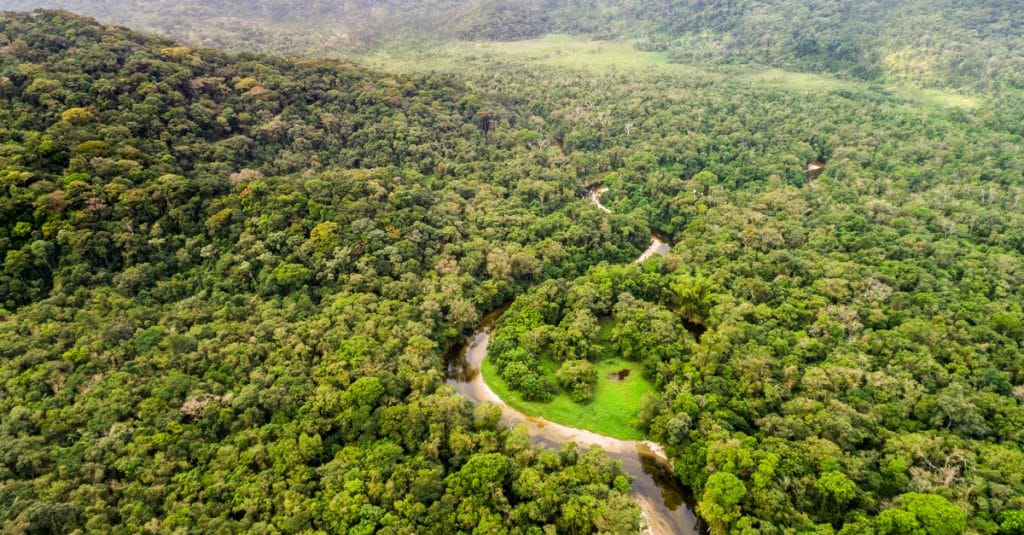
{"x": 933, "y": 43}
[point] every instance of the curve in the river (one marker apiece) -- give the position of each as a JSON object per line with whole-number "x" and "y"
{"x": 655, "y": 487}
{"x": 658, "y": 245}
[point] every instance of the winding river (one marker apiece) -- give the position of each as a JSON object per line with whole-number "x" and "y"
{"x": 655, "y": 487}
{"x": 658, "y": 245}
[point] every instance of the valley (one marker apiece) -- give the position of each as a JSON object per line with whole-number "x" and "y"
{"x": 551, "y": 266}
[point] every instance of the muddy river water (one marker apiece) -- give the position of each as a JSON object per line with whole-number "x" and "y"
{"x": 655, "y": 487}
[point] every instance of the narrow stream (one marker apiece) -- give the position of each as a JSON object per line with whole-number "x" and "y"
{"x": 662, "y": 499}
{"x": 658, "y": 245}
{"x": 594, "y": 194}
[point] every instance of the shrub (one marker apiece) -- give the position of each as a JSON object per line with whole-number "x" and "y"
{"x": 578, "y": 378}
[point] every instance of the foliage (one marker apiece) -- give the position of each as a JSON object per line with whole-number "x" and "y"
{"x": 228, "y": 282}
{"x": 613, "y": 411}
{"x": 578, "y": 378}
{"x": 558, "y": 322}
{"x": 922, "y": 513}
{"x": 939, "y": 43}
{"x": 168, "y": 361}
{"x": 719, "y": 505}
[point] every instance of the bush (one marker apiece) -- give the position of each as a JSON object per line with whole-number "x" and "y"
{"x": 537, "y": 388}
{"x": 578, "y": 378}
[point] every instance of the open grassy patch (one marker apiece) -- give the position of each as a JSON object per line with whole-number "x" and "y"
{"x": 602, "y": 57}
{"x": 613, "y": 411}
{"x": 808, "y": 82}
{"x": 946, "y": 98}
{"x": 575, "y": 53}
{"x": 554, "y": 50}
{"x": 605, "y": 326}
{"x": 796, "y": 81}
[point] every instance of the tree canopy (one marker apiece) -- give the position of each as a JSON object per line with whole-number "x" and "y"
{"x": 933, "y": 43}
{"x": 229, "y": 280}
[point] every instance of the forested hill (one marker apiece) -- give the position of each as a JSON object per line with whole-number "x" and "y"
{"x": 977, "y": 44}
{"x": 228, "y": 283}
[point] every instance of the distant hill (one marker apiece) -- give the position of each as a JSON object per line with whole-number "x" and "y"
{"x": 932, "y": 42}
{"x": 929, "y": 42}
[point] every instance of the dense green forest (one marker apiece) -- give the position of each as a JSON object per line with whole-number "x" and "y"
{"x": 861, "y": 367}
{"x": 229, "y": 281}
{"x": 947, "y": 43}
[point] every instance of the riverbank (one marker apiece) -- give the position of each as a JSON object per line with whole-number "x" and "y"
{"x": 612, "y": 412}
{"x": 663, "y": 500}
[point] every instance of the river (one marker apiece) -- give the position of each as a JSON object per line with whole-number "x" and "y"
{"x": 658, "y": 245}
{"x": 662, "y": 499}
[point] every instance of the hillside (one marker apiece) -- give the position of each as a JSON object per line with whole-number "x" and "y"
{"x": 943, "y": 43}
{"x": 977, "y": 44}
{"x": 228, "y": 283}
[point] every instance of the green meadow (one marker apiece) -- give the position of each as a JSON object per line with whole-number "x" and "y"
{"x": 606, "y": 57}
{"x": 612, "y": 412}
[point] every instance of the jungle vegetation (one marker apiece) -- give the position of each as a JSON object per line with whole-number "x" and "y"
{"x": 229, "y": 279}
{"x": 932, "y": 43}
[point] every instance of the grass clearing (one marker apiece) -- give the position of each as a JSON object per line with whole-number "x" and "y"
{"x": 613, "y": 411}
{"x": 796, "y": 81}
{"x": 604, "y": 57}
{"x": 605, "y": 326}
{"x": 564, "y": 51}
{"x": 575, "y": 53}
{"x": 943, "y": 97}
{"x": 811, "y": 83}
